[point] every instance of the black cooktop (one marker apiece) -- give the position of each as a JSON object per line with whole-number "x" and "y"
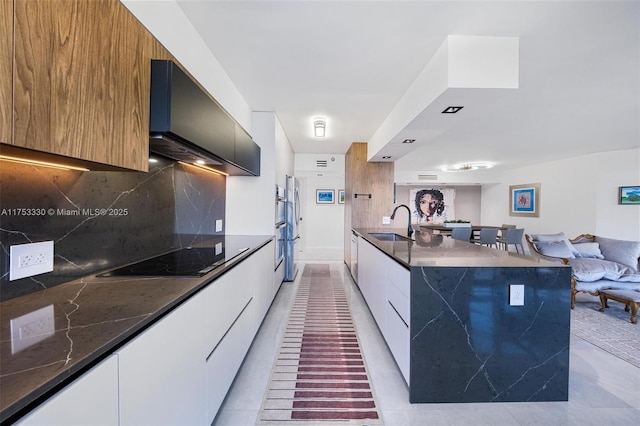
{"x": 185, "y": 262}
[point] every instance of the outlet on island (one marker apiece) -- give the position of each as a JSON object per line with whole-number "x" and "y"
{"x": 516, "y": 295}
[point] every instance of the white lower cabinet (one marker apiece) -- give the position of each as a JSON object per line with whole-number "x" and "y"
{"x": 90, "y": 400}
{"x": 225, "y": 360}
{"x": 236, "y": 304}
{"x": 385, "y": 285}
{"x": 161, "y": 371}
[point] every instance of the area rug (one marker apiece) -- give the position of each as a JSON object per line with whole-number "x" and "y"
{"x": 320, "y": 376}
{"x": 610, "y": 330}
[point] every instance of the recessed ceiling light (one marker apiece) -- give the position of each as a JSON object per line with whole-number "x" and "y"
{"x": 463, "y": 167}
{"x": 452, "y": 109}
{"x": 408, "y": 141}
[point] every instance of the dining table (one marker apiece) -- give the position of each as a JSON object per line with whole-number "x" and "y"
{"x": 442, "y": 229}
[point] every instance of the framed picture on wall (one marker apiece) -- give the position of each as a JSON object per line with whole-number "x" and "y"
{"x": 629, "y": 195}
{"x": 340, "y": 196}
{"x": 524, "y": 200}
{"x": 325, "y": 196}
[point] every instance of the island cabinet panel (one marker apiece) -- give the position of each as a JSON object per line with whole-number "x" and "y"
{"x": 6, "y": 71}
{"x": 90, "y": 400}
{"x": 384, "y": 284}
{"x": 161, "y": 371}
{"x": 372, "y": 281}
{"x": 81, "y": 81}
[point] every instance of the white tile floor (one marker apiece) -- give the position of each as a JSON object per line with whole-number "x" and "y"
{"x": 603, "y": 390}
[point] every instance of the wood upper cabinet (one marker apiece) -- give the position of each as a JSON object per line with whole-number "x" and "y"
{"x": 81, "y": 81}
{"x": 6, "y": 73}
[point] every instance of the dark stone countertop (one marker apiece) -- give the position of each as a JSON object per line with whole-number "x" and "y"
{"x": 93, "y": 317}
{"x": 437, "y": 250}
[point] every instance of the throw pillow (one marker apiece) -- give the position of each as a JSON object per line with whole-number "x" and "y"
{"x": 625, "y": 252}
{"x": 555, "y": 249}
{"x": 560, "y": 236}
{"x": 589, "y": 270}
{"x": 589, "y": 250}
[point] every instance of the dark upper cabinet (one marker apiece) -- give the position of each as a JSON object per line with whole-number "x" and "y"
{"x": 247, "y": 152}
{"x": 192, "y": 125}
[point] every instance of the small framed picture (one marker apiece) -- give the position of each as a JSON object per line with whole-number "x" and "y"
{"x": 629, "y": 195}
{"x": 524, "y": 200}
{"x": 325, "y": 196}
{"x": 340, "y": 196}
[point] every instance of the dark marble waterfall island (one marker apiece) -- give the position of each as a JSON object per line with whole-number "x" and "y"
{"x": 465, "y": 341}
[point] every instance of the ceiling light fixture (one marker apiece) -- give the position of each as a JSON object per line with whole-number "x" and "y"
{"x": 463, "y": 167}
{"x": 386, "y": 157}
{"x": 452, "y": 109}
{"x": 319, "y": 127}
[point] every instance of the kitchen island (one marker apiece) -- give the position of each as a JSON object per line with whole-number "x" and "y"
{"x": 456, "y": 333}
{"x": 186, "y": 334}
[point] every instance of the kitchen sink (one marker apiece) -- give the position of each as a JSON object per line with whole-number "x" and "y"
{"x": 389, "y": 236}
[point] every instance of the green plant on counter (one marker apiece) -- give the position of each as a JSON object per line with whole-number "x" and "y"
{"x": 457, "y": 221}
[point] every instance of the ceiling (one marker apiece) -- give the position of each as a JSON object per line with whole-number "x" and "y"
{"x": 353, "y": 61}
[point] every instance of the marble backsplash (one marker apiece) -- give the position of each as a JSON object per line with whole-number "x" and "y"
{"x": 99, "y": 220}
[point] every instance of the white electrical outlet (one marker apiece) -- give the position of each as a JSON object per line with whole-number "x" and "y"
{"x": 27, "y": 260}
{"x": 516, "y": 295}
{"x": 386, "y": 220}
{"x": 218, "y": 225}
{"x": 32, "y": 328}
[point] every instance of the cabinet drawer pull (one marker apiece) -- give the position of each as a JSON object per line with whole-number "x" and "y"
{"x": 230, "y": 327}
{"x": 397, "y": 313}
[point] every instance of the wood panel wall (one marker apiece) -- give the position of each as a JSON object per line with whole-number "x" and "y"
{"x": 362, "y": 177}
{"x": 6, "y": 71}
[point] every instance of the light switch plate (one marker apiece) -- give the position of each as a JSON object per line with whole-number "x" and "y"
{"x": 218, "y": 225}
{"x": 27, "y": 260}
{"x": 386, "y": 220}
{"x": 516, "y": 295}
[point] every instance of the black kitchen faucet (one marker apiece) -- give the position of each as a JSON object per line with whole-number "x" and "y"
{"x": 409, "y": 229}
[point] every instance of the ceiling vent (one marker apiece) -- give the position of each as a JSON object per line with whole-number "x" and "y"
{"x": 321, "y": 163}
{"x": 427, "y": 177}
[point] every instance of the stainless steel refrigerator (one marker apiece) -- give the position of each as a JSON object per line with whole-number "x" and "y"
{"x": 293, "y": 228}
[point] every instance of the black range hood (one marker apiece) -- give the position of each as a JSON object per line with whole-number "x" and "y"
{"x": 187, "y": 125}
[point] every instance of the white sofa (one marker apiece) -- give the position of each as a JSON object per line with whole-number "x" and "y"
{"x": 597, "y": 263}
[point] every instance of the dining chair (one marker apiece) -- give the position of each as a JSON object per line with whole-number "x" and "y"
{"x": 461, "y": 233}
{"x": 512, "y": 236}
{"x": 488, "y": 237}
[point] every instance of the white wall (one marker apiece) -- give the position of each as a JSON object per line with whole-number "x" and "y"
{"x": 578, "y": 195}
{"x": 322, "y": 231}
